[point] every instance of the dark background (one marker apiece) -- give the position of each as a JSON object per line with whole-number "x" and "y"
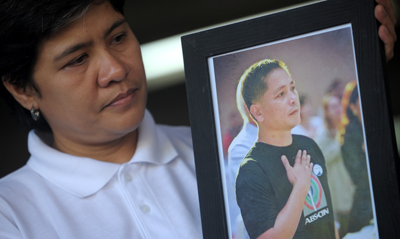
{"x": 152, "y": 20}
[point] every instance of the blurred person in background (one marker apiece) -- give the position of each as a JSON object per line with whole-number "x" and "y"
{"x": 340, "y": 183}
{"x": 234, "y": 128}
{"x": 237, "y": 151}
{"x": 309, "y": 123}
{"x": 354, "y": 157}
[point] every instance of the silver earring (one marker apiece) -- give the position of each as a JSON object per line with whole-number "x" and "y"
{"x": 34, "y": 114}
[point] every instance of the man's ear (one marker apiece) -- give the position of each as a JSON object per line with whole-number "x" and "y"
{"x": 26, "y": 97}
{"x": 255, "y": 110}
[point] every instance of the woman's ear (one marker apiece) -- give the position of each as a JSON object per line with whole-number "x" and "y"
{"x": 353, "y": 108}
{"x": 256, "y": 112}
{"x": 26, "y": 97}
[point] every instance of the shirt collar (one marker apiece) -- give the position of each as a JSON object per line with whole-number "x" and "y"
{"x": 153, "y": 146}
{"x": 82, "y": 176}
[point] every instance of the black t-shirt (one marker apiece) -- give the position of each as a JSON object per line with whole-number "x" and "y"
{"x": 262, "y": 190}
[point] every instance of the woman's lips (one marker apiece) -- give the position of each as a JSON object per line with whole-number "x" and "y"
{"x": 123, "y": 98}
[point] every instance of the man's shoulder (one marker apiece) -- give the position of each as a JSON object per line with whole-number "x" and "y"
{"x": 256, "y": 155}
{"x": 249, "y": 168}
{"x": 260, "y": 149}
{"x": 249, "y": 161}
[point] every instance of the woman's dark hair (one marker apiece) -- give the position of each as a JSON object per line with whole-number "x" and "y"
{"x": 352, "y": 101}
{"x": 350, "y": 96}
{"x": 302, "y": 99}
{"x": 24, "y": 25}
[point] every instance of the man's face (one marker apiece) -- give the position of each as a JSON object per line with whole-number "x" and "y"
{"x": 91, "y": 78}
{"x": 279, "y": 105}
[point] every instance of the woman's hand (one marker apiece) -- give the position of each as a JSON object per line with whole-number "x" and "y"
{"x": 384, "y": 13}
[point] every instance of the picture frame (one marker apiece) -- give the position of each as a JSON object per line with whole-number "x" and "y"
{"x": 329, "y": 24}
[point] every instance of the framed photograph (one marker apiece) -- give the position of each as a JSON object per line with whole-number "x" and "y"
{"x": 309, "y": 80}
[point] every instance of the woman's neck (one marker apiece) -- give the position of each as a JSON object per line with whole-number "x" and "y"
{"x": 119, "y": 150}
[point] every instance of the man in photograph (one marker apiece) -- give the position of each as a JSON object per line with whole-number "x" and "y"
{"x": 281, "y": 186}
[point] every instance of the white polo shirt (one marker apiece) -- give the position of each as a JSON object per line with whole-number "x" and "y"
{"x": 57, "y": 195}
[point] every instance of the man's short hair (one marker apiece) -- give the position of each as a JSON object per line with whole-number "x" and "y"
{"x": 241, "y": 106}
{"x": 253, "y": 83}
{"x": 24, "y": 25}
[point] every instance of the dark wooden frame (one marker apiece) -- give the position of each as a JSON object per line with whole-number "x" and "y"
{"x": 373, "y": 84}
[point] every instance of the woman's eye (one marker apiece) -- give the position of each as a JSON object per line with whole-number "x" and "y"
{"x": 78, "y": 61}
{"x": 281, "y": 94}
{"x": 119, "y": 38}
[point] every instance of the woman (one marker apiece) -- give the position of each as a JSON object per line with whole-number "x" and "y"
{"x": 340, "y": 183}
{"x": 99, "y": 167}
{"x": 353, "y": 151}
{"x": 309, "y": 124}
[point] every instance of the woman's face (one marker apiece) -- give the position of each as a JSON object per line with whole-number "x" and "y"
{"x": 356, "y": 109}
{"x": 334, "y": 110}
{"x": 306, "y": 111}
{"x": 91, "y": 78}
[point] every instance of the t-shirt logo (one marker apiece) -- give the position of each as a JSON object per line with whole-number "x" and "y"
{"x": 317, "y": 170}
{"x": 315, "y": 199}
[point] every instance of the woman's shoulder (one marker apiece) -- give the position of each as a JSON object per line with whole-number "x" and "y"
{"x": 21, "y": 181}
{"x": 177, "y": 133}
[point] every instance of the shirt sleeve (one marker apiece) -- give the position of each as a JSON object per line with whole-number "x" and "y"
{"x": 256, "y": 199}
{"x": 8, "y": 230}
